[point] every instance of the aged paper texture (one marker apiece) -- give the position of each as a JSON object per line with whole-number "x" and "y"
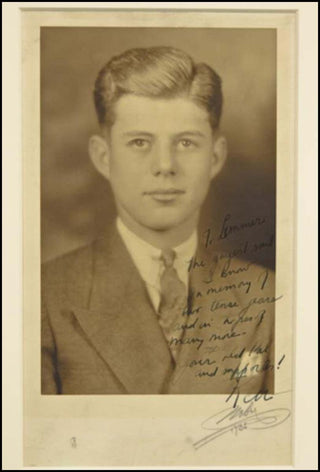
{"x": 189, "y": 426}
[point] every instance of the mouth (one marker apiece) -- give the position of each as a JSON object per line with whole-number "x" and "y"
{"x": 165, "y": 195}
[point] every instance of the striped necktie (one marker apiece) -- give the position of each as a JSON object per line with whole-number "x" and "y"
{"x": 172, "y": 303}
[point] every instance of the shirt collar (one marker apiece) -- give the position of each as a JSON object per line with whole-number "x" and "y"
{"x": 147, "y": 257}
{"x": 186, "y": 250}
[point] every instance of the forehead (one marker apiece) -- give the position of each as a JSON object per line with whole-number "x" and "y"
{"x": 159, "y": 114}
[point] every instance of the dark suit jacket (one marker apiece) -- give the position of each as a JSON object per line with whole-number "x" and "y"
{"x": 100, "y": 333}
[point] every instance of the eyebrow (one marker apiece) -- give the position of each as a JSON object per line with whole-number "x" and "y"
{"x": 150, "y": 135}
{"x": 137, "y": 132}
{"x": 191, "y": 133}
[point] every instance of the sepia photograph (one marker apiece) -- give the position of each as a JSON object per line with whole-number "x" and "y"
{"x": 158, "y": 170}
{"x": 159, "y": 310}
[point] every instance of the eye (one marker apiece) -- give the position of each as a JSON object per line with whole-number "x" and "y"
{"x": 185, "y": 143}
{"x": 139, "y": 143}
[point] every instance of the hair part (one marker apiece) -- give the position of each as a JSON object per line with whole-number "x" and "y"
{"x": 159, "y": 72}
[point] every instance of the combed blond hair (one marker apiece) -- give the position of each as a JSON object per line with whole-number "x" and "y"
{"x": 159, "y": 72}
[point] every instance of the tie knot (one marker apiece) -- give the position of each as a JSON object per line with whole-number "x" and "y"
{"x": 168, "y": 256}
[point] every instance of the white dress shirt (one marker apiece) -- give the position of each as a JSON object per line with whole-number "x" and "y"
{"x": 148, "y": 262}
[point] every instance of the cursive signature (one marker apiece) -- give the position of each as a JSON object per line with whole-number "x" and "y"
{"x": 237, "y": 419}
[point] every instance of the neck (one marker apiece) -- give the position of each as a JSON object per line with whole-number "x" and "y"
{"x": 164, "y": 238}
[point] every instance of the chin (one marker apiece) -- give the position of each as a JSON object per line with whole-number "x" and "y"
{"x": 163, "y": 224}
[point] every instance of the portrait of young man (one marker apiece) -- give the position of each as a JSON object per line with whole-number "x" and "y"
{"x": 153, "y": 306}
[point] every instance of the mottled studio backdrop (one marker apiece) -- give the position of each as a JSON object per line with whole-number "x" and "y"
{"x": 76, "y": 201}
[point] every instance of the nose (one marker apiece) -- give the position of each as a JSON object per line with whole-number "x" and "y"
{"x": 163, "y": 160}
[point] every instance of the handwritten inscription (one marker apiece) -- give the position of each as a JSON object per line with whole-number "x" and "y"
{"x": 230, "y": 227}
{"x": 248, "y": 413}
{"x": 228, "y": 325}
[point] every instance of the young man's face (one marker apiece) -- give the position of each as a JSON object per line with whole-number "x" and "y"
{"x": 160, "y": 157}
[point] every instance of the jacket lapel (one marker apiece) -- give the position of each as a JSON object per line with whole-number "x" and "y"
{"x": 120, "y": 321}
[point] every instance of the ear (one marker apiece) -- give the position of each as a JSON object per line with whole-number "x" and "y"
{"x": 99, "y": 152}
{"x": 220, "y": 152}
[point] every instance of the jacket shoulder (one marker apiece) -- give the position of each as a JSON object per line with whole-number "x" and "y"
{"x": 237, "y": 271}
{"x": 68, "y": 274}
{"x": 61, "y": 266}
{"x": 261, "y": 278}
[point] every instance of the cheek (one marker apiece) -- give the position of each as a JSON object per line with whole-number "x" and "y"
{"x": 199, "y": 180}
{"x": 123, "y": 167}
{"x": 199, "y": 172}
